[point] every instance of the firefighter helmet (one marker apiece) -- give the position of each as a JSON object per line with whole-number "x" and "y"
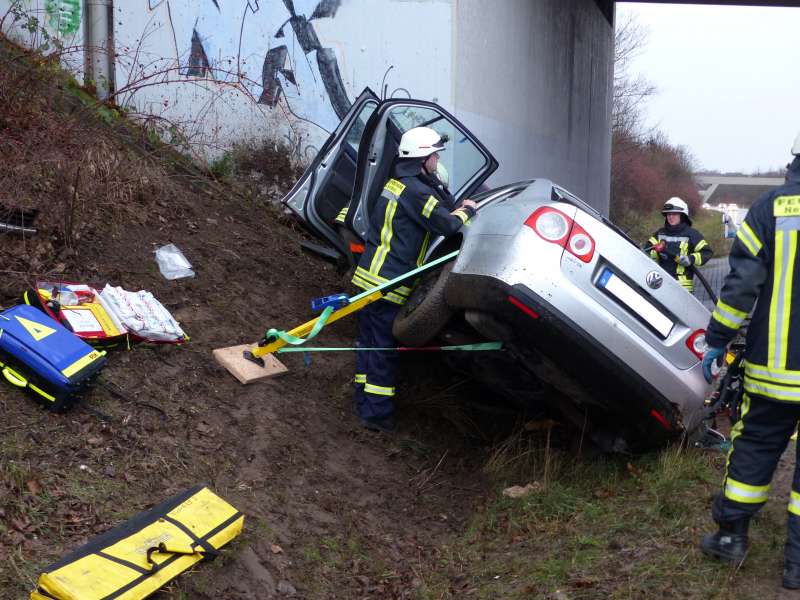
{"x": 676, "y": 205}
{"x": 419, "y": 142}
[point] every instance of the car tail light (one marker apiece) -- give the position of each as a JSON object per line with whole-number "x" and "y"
{"x": 557, "y": 228}
{"x": 697, "y": 343}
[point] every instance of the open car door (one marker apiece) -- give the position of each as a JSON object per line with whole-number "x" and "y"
{"x": 326, "y": 185}
{"x": 466, "y": 159}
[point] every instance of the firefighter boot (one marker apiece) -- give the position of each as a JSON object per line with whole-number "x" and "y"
{"x": 729, "y": 543}
{"x": 791, "y": 575}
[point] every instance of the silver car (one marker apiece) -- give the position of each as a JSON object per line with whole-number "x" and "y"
{"x": 592, "y": 327}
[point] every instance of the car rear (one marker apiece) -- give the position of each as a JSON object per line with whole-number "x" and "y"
{"x": 575, "y": 292}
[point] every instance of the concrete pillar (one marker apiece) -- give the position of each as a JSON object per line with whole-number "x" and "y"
{"x": 99, "y": 44}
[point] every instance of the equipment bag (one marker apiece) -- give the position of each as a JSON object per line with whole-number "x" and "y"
{"x": 38, "y": 354}
{"x": 80, "y": 309}
{"x": 136, "y": 558}
{"x": 107, "y": 318}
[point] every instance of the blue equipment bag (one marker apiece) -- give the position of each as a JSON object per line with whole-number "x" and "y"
{"x": 39, "y": 354}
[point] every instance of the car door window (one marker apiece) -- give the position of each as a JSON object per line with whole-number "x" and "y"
{"x": 353, "y": 138}
{"x": 467, "y": 161}
{"x": 461, "y": 157}
{"x": 326, "y": 186}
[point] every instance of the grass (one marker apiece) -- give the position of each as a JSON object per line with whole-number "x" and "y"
{"x": 606, "y": 528}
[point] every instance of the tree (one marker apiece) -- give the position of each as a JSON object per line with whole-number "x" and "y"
{"x": 629, "y": 92}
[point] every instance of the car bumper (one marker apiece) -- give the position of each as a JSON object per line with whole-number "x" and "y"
{"x": 632, "y": 390}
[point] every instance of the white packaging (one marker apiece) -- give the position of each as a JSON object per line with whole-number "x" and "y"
{"x": 141, "y": 314}
{"x": 172, "y": 263}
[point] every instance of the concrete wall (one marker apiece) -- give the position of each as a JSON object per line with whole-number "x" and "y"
{"x": 533, "y": 80}
{"x": 249, "y": 70}
{"x": 53, "y": 25}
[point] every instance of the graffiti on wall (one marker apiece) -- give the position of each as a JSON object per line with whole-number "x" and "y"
{"x": 64, "y": 15}
{"x": 271, "y": 47}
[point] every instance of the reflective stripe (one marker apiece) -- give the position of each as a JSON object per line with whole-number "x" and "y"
{"x": 742, "y": 492}
{"x": 395, "y": 298}
{"x": 424, "y": 250}
{"x": 364, "y": 285}
{"x": 461, "y": 215}
{"x": 82, "y": 363}
{"x": 698, "y": 259}
{"x": 700, "y": 245}
{"x": 786, "y": 206}
{"x": 361, "y": 378}
{"x": 683, "y": 251}
{"x": 394, "y": 187}
{"x": 386, "y": 237}
{"x": 371, "y": 277}
{"x": 41, "y": 392}
{"x": 782, "y": 376}
{"x": 727, "y": 315}
{"x": 341, "y": 216}
{"x": 787, "y": 223}
{"x": 789, "y": 393}
{"x": 378, "y": 390}
{"x": 780, "y": 305}
{"x": 794, "y": 503}
{"x": 737, "y": 429}
{"x": 673, "y": 238}
{"x": 429, "y": 206}
{"x": 653, "y": 254}
{"x": 685, "y": 282}
{"x": 747, "y": 236}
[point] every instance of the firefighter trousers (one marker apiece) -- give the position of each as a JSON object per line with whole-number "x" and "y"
{"x": 759, "y": 439}
{"x": 376, "y": 371}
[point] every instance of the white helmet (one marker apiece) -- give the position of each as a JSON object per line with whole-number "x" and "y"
{"x": 419, "y": 142}
{"x": 676, "y": 205}
{"x": 796, "y": 146}
{"x": 442, "y": 174}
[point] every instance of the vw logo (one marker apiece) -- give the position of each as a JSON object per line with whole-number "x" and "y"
{"x": 654, "y": 280}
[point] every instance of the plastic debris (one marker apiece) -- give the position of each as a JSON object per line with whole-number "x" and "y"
{"x": 517, "y": 491}
{"x": 172, "y": 263}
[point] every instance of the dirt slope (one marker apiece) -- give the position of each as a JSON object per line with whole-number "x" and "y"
{"x": 332, "y": 510}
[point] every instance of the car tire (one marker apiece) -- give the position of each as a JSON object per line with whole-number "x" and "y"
{"x": 426, "y": 312}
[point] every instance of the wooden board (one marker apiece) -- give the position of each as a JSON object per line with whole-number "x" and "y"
{"x": 246, "y": 371}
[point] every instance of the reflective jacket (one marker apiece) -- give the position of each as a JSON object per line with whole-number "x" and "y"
{"x": 764, "y": 265}
{"x": 681, "y": 240}
{"x": 411, "y": 207}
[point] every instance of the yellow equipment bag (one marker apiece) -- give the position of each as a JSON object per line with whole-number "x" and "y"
{"x": 136, "y": 558}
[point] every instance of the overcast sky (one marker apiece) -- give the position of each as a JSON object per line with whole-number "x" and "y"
{"x": 728, "y": 80}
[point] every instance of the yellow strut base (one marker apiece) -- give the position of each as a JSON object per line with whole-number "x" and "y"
{"x": 304, "y": 329}
{"x": 246, "y": 371}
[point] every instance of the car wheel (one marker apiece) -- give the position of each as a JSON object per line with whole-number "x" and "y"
{"x": 426, "y": 312}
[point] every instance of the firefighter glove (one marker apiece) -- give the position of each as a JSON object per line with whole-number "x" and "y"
{"x": 711, "y": 356}
{"x": 685, "y": 261}
{"x": 660, "y": 246}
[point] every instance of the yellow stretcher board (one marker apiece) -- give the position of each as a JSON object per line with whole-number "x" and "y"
{"x": 136, "y": 558}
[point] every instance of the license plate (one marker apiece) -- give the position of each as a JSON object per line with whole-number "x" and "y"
{"x": 635, "y": 302}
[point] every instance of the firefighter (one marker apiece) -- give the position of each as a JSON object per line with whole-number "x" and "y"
{"x": 764, "y": 263}
{"x": 677, "y": 246}
{"x": 413, "y": 206}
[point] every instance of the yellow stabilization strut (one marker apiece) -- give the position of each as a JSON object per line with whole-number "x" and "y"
{"x": 304, "y": 329}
